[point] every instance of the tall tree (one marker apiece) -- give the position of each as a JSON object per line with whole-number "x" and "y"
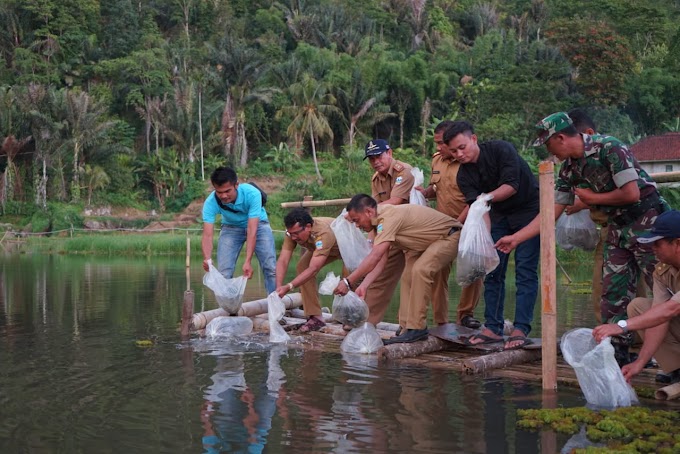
{"x": 312, "y": 105}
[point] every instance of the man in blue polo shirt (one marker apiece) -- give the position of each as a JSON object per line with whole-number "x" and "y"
{"x": 244, "y": 220}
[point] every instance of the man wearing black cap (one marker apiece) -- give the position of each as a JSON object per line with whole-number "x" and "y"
{"x": 657, "y": 320}
{"x": 391, "y": 184}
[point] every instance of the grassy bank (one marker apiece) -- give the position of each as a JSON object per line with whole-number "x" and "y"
{"x": 123, "y": 244}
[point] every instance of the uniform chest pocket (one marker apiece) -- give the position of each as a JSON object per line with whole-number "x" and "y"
{"x": 435, "y": 178}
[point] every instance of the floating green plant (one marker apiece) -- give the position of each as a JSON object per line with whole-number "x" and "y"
{"x": 628, "y": 429}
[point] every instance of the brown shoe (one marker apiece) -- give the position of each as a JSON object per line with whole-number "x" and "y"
{"x": 313, "y": 324}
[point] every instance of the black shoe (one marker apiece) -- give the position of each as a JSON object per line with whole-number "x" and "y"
{"x": 399, "y": 330}
{"x": 470, "y": 322}
{"x": 622, "y": 355}
{"x": 411, "y": 335}
{"x": 669, "y": 378}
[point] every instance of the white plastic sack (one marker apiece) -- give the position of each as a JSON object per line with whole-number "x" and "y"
{"x": 228, "y": 292}
{"x": 417, "y": 197}
{"x": 350, "y": 310}
{"x": 576, "y": 231}
{"x": 329, "y": 283}
{"x": 364, "y": 339}
{"x": 229, "y": 326}
{"x": 352, "y": 243}
{"x": 477, "y": 255}
{"x": 596, "y": 369}
{"x": 275, "y": 310}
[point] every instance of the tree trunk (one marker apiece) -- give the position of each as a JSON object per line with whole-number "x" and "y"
{"x": 75, "y": 184}
{"x": 147, "y": 125}
{"x": 200, "y": 132}
{"x": 402, "y": 115}
{"x": 352, "y": 127}
{"x": 316, "y": 163}
{"x": 242, "y": 141}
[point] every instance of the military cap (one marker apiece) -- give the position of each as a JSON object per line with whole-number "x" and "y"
{"x": 550, "y": 125}
{"x": 376, "y": 147}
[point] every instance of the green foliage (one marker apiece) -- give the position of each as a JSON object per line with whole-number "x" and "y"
{"x": 672, "y": 196}
{"x": 56, "y": 217}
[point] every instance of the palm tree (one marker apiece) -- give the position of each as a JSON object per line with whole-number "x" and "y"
{"x": 312, "y": 105}
{"x": 11, "y": 124}
{"x": 85, "y": 127}
{"x": 95, "y": 178}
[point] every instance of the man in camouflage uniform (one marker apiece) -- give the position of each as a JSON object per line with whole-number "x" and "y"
{"x": 315, "y": 235}
{"x": 391, "y": 184}
{"x": 602, "y": 172}
{"x": 451, "y": 201}
{"x": 430, "y": 241}
{"x": 585, "y": 125}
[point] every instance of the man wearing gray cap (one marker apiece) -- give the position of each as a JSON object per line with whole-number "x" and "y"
{"x": 657, "y": 320}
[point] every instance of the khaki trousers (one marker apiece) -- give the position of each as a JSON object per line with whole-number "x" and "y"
{"x": 310, "y": 289}
{"x": 469, "y": 296}
{"x": 668, "y": 353}
{"x": 379, "y": 294}
{"x": 419, "y": 276}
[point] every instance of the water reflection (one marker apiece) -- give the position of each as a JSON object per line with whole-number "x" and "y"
{"x": 73, "y": 379}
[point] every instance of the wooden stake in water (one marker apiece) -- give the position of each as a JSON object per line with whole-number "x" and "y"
{"x": 188, "y": 260}
{"x": 546, "y": 177}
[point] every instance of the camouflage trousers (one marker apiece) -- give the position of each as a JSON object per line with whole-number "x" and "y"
{"x": 624, "y": 260}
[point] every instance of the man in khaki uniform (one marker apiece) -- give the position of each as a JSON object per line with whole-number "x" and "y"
{"x": 429, "y": 239}
{"x": 391, "y": 185}
{"x": 315, "y": 235}
{"x": 657, "y": 320}
{"x": 450, "y": 201}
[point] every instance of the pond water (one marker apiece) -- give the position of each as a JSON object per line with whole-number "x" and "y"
{"x": 73, "y": 377}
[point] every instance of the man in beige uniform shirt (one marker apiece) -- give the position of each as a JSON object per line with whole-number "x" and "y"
{"x": 450, "y": 201}
{"x": 316, "y": 235}
{"x": 656, "y": 320}
{"x": 391, "y": 185}
{"x": 429, "y": 239}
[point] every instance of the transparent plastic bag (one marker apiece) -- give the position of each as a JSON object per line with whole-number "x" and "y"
{"x": 329, "y": 283}
{"x": 576, "y": 231}
{"x": 350, "y": 310}
{"x": 351, "y": 242}
{"x": 417, "y": 197}
{"x": 596, "y": 369}
{"x": 477, "y": 255}
{"x": 364, "y": 339}
{"x": 275, "y": 310}
{"x": 228, "y": 292}
{"x": 229, "y": 326}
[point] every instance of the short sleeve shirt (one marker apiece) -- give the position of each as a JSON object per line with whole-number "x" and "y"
{"x": 607, "y": 164}
{"x": 321, "y": 241}
{"x": 498, "y": 164}
{"x": 248, "y": 204}
{"x": 411, "y": 227}
{"x": 666, "y": 283}
{"x": 444, "y": 180}
{"x": 398, "y": 182}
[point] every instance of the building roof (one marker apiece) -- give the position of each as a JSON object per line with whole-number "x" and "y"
{"x": 658, "y": 148}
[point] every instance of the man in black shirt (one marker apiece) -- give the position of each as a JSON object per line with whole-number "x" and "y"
{"x": 496, "y": 168}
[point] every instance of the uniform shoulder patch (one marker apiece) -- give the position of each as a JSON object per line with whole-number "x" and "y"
{"x": 436, "y": 154}
{"x": 661, "y": 268}
{"x": 399, "y": 167}
{"x": 399, "y": 179}
{"x": 379, "y": 228}
{"x": 318, "y": 244}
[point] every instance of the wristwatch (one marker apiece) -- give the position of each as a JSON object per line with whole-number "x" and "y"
{"x": 623, "y": 324}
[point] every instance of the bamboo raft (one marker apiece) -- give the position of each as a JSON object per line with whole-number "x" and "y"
{"x": 435, "y": 353}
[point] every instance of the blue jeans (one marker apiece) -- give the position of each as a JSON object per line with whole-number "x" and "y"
{"x": 526, "y": 279}
{"x": 229, "y": 247}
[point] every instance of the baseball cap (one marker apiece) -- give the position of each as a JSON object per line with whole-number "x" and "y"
{"x": 667, "y": 225}
{"x": 550, "y": 125}
{"x": 376, "y": 147}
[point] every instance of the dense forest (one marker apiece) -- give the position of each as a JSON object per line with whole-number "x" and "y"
{"x": 135, "y": 102}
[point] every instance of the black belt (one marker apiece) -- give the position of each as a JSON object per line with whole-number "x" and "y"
{"x": 453, "y": 230}
{"x": 631, "y": 214}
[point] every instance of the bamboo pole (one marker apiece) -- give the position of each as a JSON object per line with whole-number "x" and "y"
{"x": 669, "y": 392}
{"x": 666, "y": 177}
{"x": 500, "y": 360}
{"x": 398, "y": 351}
{"x": 249, "y": 309}
{"x": 382, "y": 326}
{"x": 316, "y": 203}
{"x": 548, "y": 275}
{"x": 187, "y": 311}
{"x": 188, "y": 259}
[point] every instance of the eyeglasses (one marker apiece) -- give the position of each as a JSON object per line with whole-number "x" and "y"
{"x": 296, "y": 233}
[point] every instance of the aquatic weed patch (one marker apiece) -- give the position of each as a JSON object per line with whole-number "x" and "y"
{"x": 628, "y": 429}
